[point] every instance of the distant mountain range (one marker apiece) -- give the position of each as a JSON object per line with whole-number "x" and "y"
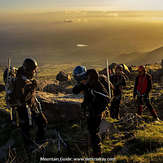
{"x": 155, "y": 55}
{"x": 137, "y": 58}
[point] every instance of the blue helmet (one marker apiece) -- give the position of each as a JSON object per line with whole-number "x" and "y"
{"x": 80, "y": 73}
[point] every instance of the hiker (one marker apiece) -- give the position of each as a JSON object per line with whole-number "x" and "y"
{"x": 95, "y": 98}
{"x": 143, "y": 85}
{"x": 118, "y": 82}
{"x": 29, "y": 111}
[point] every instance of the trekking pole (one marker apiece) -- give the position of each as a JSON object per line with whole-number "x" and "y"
{"x": 7, "y": 87}
{"x": 62, "y": 141}
{"x": 108, "y": 77}
{"x": 40, "y": 109}
{"x": 39, "y": 104}
{"x": 29, "y": 114}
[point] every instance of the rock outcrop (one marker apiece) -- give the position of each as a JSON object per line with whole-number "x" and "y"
{"x": 62, "y": 76}
{"x": 60, "y": 108}
{"x": 55, "y": 87}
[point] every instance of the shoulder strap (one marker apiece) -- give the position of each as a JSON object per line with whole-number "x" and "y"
{"x": 104, "y": 84}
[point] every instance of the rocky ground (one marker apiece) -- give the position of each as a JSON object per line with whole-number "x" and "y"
{"x": 131, "y": 139}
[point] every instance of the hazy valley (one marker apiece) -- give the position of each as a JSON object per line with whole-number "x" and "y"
{"x": 82, "y": 37}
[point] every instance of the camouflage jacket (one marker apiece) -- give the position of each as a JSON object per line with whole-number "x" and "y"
{"x": 24, "y": 91}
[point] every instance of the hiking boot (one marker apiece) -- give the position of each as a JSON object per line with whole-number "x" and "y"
{"x": 157, "y": 119}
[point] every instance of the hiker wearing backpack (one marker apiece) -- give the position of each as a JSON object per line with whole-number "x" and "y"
{"x": 118, "y": 82}
{"x": 142, "y": 88}
{"x": 29, "y": 111}
{"x": 95, "y": 98}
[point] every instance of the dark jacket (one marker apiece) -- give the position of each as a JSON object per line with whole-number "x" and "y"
{"x": 117, "y": 81}
{"x": 24, "y": 90}
{"x": 104, "y": 82}
{"x": 149, "y": 84}
{"x": 96, "y": 97}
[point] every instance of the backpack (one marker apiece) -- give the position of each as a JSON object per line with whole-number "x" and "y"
{"x": 9, "y": 77}
{"x": 103, "y": 81}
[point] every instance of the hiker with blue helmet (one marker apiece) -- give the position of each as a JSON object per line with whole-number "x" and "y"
{"x": 95, "y": 98}
{"x": 80, "y": 73}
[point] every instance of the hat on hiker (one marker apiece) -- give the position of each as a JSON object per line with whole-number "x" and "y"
{"x": 30, "y": 64}
{"x": 80, "y": 73}
{"x": 141, "y": 68}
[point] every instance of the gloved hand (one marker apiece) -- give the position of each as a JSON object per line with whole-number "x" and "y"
{"x": 30, "y": 86}
{"x": 34, "y": 83}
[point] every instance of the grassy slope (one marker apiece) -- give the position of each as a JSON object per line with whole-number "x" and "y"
{"x": 2, "y": 94}
{"x": 144, "y": 144}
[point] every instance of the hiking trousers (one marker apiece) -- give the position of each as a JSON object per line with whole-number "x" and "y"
{"x": 114, "y": 108}
{"x": 93, "y": 128}
{"x": 144, "y": 100}
{"x": 37, "y": 121}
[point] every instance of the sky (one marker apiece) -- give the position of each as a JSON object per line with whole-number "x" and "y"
{"x": 27, "y": 5}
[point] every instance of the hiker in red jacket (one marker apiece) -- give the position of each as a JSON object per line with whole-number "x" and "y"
{"x": 143, "y": 85}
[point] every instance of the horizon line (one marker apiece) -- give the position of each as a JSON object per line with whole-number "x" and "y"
{"x": 71, "y": 10}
